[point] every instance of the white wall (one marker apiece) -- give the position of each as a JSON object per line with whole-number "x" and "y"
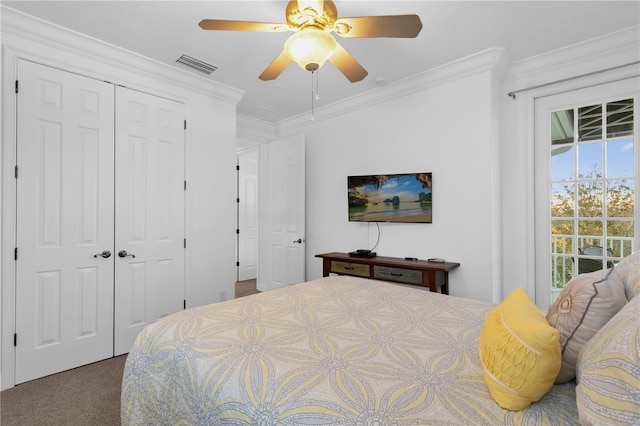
{"x": 211, "y": 208}
{"x": 445, "y": 122}
{"x": 210, "y": 142}
{"x": 458, "y": 122}
{"x": 445, "y": 130}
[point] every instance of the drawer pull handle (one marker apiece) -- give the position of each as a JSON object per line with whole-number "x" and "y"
{"x": 349, "y": 268}
{"x": 395, "y": 274}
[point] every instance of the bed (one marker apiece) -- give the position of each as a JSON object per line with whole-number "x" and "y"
{"x": 351, "y": 351}
{"x": 333, "y": 351}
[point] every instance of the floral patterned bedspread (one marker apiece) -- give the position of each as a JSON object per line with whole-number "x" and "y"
{"x": 334, "y": 351}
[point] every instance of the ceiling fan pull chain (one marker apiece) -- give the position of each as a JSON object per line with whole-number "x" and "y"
{"x": 312, "y": 96}
{"x": 317, "y": 85}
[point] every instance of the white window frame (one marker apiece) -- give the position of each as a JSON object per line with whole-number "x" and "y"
{"x": 543, "y": 106}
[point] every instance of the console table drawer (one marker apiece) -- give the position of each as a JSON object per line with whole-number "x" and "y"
{"x": 409, "y": 276}
{"x": 349, "y": 268}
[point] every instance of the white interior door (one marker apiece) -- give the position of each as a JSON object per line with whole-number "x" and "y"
{"x": 64, "y": 294}
{"x": 149, "y": 205}
{"x": 282, "y": 254}
{"x": 247, "y": 215}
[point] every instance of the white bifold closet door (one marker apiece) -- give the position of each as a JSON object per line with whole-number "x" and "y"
{"x": 91, "y": 183}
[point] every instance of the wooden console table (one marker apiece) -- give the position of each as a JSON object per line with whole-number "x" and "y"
{"x": 421, "y": 273}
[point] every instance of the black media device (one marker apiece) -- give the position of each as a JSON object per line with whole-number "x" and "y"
{"x": 362, "y": 253}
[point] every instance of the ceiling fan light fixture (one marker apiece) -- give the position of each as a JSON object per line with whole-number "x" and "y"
{"x": 310, "y": 48}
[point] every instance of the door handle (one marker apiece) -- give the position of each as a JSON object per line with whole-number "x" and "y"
{"x": 104, "y": 254}
{"x": 123, "y": 253}
{"x": 298, "y": 241}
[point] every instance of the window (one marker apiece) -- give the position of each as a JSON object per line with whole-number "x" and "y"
{"x": 592, "y": 188}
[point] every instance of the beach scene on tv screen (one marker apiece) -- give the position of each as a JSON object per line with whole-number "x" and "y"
{"x": 390, "y": 198}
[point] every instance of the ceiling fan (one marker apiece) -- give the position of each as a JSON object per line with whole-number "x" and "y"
{"x": 312, "y": 22}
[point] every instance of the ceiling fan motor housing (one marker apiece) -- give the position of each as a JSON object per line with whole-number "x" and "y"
{"x": 297, "y": 18}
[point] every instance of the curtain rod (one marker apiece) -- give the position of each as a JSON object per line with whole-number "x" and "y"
{"x": 513, "y": 93}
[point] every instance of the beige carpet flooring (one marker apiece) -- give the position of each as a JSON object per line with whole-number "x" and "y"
{"x": 88, "y": 395}
{"x": 84, "y": 396}
{"x": 245, "y": 288}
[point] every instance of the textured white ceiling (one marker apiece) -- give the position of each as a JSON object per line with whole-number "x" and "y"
{"x": 163, "y": 30}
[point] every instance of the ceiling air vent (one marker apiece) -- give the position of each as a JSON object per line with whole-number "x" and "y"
{"x": 196, "y": 64}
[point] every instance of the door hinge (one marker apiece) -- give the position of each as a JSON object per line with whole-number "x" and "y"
{"x": 185, "y": 185}
{"x": 16, "y": 86}
{"x": 185, "y": 124}
{"x": 15, "y": 339}
{"x": 16, "y": 171}
{"x": 237, "y": 263}
{"x": 184, "y": 305}
{"x": 238, "y": 167}
{"x": 185, "y": 243}
{"x": 15, "y": 253}
{"x": 237, "y": 200}
{"x": 237, "y": 231}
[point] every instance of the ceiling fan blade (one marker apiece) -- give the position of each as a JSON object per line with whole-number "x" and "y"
{"x": 275, "y": 68}
{"x": 224, "y": 25}
{"x": 401, "y": 26}
{"x": 347, "y": 64}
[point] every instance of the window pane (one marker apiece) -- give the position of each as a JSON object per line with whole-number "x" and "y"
{"x": 562, "y": 127}
{"x": 590, "y": 160}
{"x": 561, "y": 272}
{"x": 590, "y": 264}
{"x": 590, "y": 233}
{"x": 590, "y": 123}
{"x": 562, "y": 167}
{"x": 590, "y": 199}
{"x": 620, "y": 118}
{"x": 620, "y": 237}
{"x": 562, "y": 203}
{"x": 620, "y": 158}
{"x": 562, "y": 237}
{"x": 620, "y": 198}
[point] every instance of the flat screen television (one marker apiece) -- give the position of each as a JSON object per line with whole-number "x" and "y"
{"x": 404, "y": 197}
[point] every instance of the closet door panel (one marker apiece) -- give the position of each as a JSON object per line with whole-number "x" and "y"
{"x": 65, "y": 154}
{"x": 149, "y": 212}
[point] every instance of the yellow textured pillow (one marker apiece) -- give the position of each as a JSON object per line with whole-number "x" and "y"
{"x": 520, "y": 352}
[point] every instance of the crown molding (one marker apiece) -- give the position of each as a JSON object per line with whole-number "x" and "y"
{"x": 493, "y": 59}
{"x": 63, "y": 39}
{"x": 610, "y": 50}
{"x": 614, "y": 49}
{"x": 250, "y": 129}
